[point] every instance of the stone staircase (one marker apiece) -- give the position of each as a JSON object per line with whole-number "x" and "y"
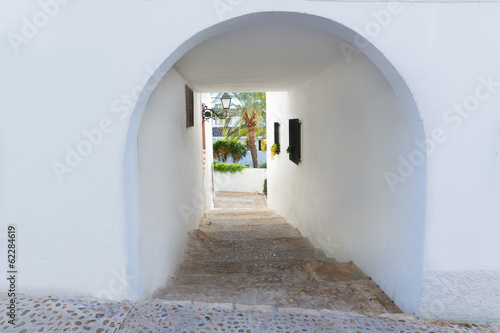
{"x": 254, "y": 257}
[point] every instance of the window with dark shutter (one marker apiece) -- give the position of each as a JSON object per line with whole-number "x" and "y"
{"x": 277, "y": 133}
{"x": 189, "y": 107}
{"x": 294, "y": 140}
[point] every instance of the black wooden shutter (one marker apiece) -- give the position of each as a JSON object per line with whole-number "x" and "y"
{"x": 294, "y": 140}
{"x": 189, "y": 107}
{"x": 277, "y": 133}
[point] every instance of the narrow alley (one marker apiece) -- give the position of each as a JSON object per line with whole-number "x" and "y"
{"x": 245, "y": 253}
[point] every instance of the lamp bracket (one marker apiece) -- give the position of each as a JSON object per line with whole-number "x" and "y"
{"x": 207, "y": 113}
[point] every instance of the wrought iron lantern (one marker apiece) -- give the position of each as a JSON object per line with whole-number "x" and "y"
{"x": 221, "y": 114}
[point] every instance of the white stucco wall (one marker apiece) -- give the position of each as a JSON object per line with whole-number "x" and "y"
{"x": 170, "y": 176}
{"x": 353, "y": 130}
{"x": 77, "y": 225}
{"x": 248, "y": 180}
{"x": 208, "y": 178}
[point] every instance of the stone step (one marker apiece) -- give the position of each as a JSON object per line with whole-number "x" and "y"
{"x": 252, "y": 256}
{"x": 232, "y": 212}
{"x": 201, "y": 242}
{"x": 240, "y": 273}
{"x": 254, "y": 234}
{"x": 243, "y": 227}
{"x": 329, "y": 271}
{"x": 240, "y": 268}
{"x": 271, "y": 244}
{"x": 235, "y": 280}
{"x": 247, "y": 220}
{"x": 357, "y": 296}
{"x": 318, "y": 270}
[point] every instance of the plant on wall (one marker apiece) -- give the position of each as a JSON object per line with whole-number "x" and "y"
{"x": 289, "y": 150}
{"x": 263, "y": 145}
{"x": 228, "y": 168}
{"x": 275, "y": 150}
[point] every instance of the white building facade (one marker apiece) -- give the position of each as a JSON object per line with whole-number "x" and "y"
{"x": 400, "y": 139}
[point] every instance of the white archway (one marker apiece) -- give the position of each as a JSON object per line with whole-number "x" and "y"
{"x": 395, "y": 80}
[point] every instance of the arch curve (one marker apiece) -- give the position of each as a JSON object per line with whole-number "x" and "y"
{"x": 131, "y": 180}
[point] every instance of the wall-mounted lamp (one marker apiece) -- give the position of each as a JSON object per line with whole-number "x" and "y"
{"x": 221, "y": 114}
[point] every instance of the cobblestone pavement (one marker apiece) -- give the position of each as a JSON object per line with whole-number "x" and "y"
{"x": 57, "y": 314}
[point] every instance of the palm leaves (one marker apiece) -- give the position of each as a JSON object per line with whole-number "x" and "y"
{"x": 223, "y": 149}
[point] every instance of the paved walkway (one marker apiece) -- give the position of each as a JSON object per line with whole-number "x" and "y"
{"x": 56, "y": 314}
{"x": 239, "y": 200}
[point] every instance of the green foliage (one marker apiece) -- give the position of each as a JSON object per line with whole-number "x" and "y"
{"x": 263, "y": 145}
{"x": 217, "y": 145}
{"x": 289, "y": 150}
{"x": 275, "y": 150}
{"x": 223, "y": 149}
{"x": 228, "y": 168}
{"x": 263, "y": 165}
{"x": 265, "y": 186}
{"x": 237, "y": 150}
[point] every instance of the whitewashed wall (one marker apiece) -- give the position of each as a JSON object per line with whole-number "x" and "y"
{"x": 208, "y": 180}
{"x": 170, "y": 176}
{"x": 78, "y": 220}
{"x": 248, "y": 180}
{"x": 353, "y": 131}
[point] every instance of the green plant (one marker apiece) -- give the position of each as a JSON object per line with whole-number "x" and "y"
{"x": 263, "y": 145}
{"x": 217, "y": 146}
{"x": 263, "y": 165}
{"x": 237, "y": 150}
{"x": 228, "y": 168}
{"x": 275, "y": 149}
{"x": 265, "y": 186}
{"x": 289, "y": 150}
{"x": 223, "y": 149}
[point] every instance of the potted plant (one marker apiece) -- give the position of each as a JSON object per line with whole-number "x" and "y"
{"x": 275, "y": 150}
{"x": 263, "y": 145}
